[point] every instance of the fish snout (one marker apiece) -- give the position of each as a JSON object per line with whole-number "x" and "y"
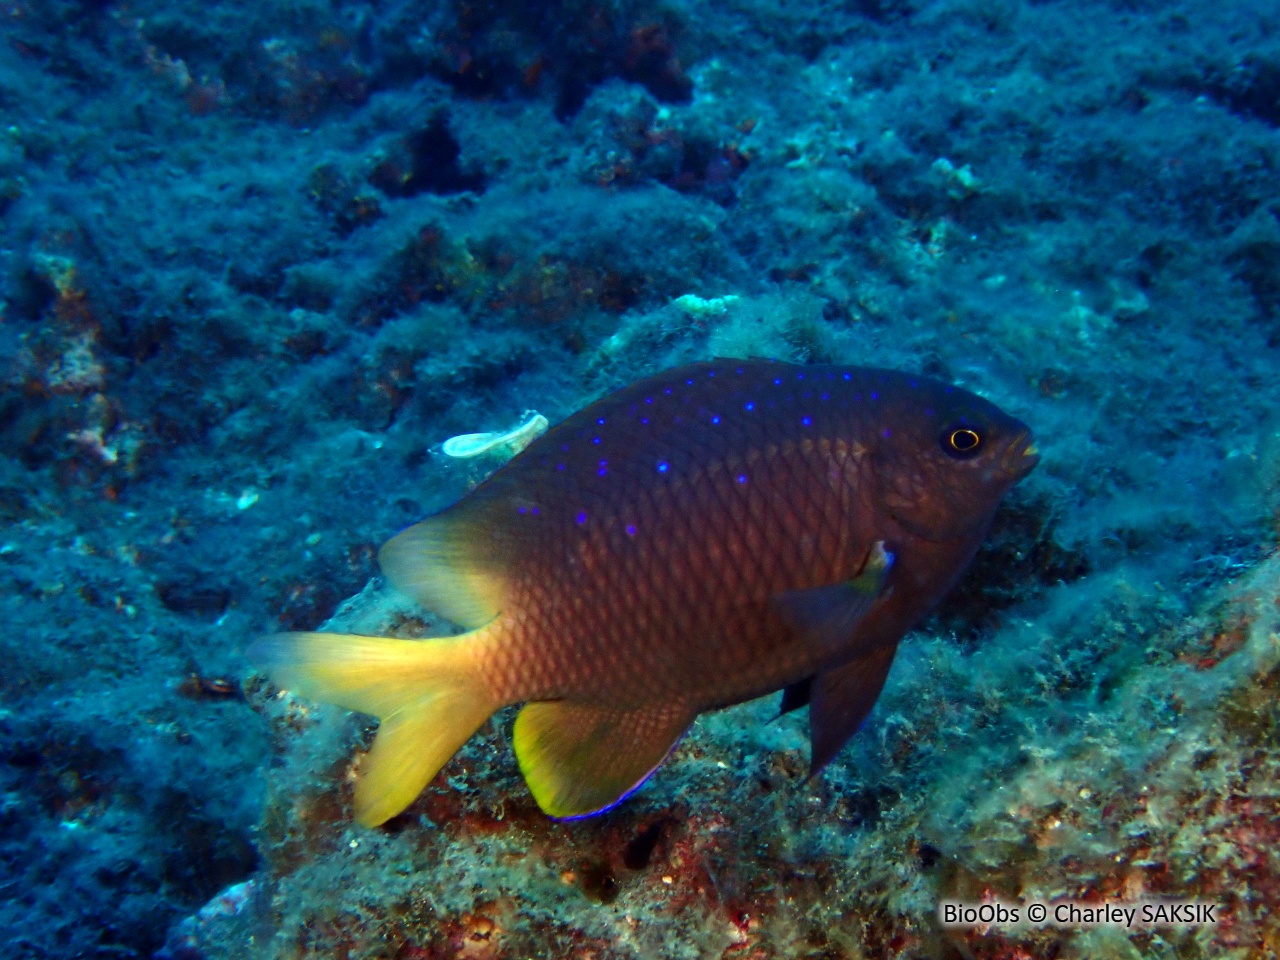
{"x": 1021, "y": 457}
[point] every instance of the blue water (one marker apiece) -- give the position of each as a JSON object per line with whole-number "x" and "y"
{"x": 259, "y": 261}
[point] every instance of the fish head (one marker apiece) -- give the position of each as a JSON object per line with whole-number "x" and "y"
{"x": 945, "y": 458}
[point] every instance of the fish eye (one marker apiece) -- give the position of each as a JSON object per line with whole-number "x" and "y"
{"x": 961, "y": 442}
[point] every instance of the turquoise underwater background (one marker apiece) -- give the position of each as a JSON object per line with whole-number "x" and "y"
{"x": 259, "y": 260}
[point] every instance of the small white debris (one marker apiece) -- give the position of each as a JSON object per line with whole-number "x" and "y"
{"x": 960, "y": 182}
{"x": 509, "y": 442}
{"x": 229, "y": 903}
{"x": 700, "y": 309}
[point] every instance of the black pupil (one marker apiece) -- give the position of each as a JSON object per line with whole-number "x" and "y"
{"x": 964, "y": 440}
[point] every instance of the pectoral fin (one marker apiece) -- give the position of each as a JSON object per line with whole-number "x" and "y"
{"x": 841, "y": 699}
{"x": 827, "y": 617}
{"x": 579, "y": 760}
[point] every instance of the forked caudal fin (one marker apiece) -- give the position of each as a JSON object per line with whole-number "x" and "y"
{"x": 426, "y": 693}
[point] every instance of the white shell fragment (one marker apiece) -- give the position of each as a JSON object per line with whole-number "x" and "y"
{"x": 700, "y": 308}
{"x": 509, "y": 443}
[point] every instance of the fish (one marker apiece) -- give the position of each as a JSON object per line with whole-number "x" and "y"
{"x": 713, "y": 534}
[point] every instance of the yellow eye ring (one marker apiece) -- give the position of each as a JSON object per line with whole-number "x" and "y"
{"x": 964, "y": 440}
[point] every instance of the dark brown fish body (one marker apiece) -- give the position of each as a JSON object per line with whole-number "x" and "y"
{"x": 635, "y": 583}
{"x": 715, "y": 533}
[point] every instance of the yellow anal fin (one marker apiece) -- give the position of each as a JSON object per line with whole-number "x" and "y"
{"x": 579, "y": 760}
{"x": 426, "y": 692}
{"x": 438, "y": 564}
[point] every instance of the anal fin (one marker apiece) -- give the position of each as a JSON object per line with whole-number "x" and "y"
{"x": 841, "y": 698}
{"x": 579, "y": 759}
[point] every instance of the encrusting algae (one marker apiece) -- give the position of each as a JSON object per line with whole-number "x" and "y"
{"x": 709, "y": 535}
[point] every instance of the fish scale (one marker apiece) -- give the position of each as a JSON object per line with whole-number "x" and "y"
{"x": 709, "y": 535}
{"x": 707, "y": 507}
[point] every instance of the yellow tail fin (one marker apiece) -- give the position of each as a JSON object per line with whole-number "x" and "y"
{"x": 426, "y": 693}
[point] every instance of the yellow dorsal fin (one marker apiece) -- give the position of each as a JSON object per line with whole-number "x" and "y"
{"x": 438, "y": 563}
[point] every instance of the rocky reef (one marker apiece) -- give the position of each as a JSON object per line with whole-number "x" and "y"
{"x": 260, "y": 261}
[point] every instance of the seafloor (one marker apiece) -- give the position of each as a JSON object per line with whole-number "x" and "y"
{"x": 260, "y": 259}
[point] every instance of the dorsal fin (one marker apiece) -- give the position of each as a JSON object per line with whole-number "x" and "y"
{"x": 439, "y": 563}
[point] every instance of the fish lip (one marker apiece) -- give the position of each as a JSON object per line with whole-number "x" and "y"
{"x": 1021, "y": 457}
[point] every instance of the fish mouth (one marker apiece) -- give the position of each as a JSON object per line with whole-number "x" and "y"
{"x": 1021, "y": 457}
